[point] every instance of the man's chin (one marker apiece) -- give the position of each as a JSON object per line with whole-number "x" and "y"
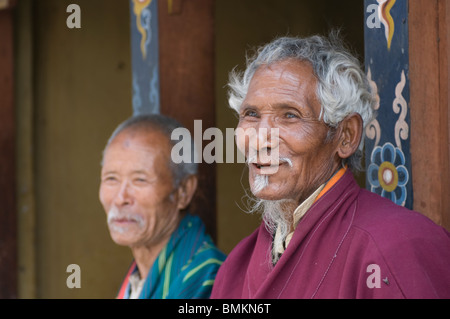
{"x": 266, "y": 193}
{"x": 122, "y": 239}
{"x": 262, "y": 188}
{"x": 269, "y": 197}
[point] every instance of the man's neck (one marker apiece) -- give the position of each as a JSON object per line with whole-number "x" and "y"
{"x": 145, "y": 256}
{"x": 326, "y": 178}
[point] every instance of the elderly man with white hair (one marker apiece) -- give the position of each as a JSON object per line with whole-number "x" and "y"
{"x": 146, "y": 197}
{"x": 322, "y": 236}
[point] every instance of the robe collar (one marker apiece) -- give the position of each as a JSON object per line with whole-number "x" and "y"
{"x": 301, "y": 210}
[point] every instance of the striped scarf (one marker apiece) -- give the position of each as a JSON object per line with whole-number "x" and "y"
{"x": 184, "y": 269}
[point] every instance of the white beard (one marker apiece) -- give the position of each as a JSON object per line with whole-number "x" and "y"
{"x": 260, "y": 182}
{"x": 277, "y": 214}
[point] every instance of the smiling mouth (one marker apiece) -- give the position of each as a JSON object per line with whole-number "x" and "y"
{"x": 259, "y": 166}
{"x": 266, "y": 169}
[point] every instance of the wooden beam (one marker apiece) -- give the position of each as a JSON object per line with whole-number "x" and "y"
{"x": 429, "y": 74}
{"x": 8, "y": 242}
{"x": 186, "y": 61}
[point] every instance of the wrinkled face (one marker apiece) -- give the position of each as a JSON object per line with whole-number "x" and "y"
{"x": 283, "y": 97}
{"x": 136, "y": 189}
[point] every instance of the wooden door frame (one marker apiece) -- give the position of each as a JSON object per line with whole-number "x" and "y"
{"x": 429, "y": 80}
{"x": 8, "y": 215}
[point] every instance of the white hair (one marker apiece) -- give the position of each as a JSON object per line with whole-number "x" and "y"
{"x": 342, "y": 85}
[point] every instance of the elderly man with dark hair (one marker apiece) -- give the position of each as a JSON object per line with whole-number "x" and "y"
{"x": 322, "y": 236}
{"x": 145, "y": 196}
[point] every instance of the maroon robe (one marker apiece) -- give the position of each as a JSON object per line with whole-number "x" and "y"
{"x": 350, "y": 244}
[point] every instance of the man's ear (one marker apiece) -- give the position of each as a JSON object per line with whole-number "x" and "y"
{"x": 350, "y": 135}
{"x": 186, "y": 191}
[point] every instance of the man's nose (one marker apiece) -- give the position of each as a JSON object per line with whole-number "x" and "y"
{"x": 124, "y": 195}
{"x": 267, "y": 135}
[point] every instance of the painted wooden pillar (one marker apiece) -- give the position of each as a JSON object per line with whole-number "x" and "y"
{"x": 145, "y": 56}
{"x": 388, "y": 156}
{"x": 173, "y": 74}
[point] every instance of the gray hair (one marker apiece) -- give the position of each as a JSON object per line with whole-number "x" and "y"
{"x": 342, "y": 85}
{"x": 165, "y": 125}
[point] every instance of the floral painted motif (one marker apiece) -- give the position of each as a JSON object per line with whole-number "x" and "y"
{"x": 387, "y": 173}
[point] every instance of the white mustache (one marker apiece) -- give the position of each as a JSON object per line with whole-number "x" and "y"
{"x": 254, "y": 159}
{"x": 115, "y": 214}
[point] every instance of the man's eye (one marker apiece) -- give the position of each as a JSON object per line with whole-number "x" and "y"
{"x": 290, "y": 115}
{"x": 110, "y": 179}
{"x": 250, "y": 113}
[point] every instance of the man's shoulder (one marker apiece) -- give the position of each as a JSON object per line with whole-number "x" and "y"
{"x": 195, "y": 246}
{"x": 405, "y": 239}
{"x": 204, "y": 263}
{"x": 239, "y": 257}
{"x": 208, "y": 250}
{"x": 388, "y": 222}
{"x": 409, "y": 248}
{"x": 233, "y": 271}
{"x": 247, "y": 244}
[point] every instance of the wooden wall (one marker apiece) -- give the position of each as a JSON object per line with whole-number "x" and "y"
{"x": 73, "y": 88}
{"x": 429, "y": 23}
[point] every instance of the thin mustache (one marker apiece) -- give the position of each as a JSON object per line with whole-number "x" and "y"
{"x": 254, "y": 159}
